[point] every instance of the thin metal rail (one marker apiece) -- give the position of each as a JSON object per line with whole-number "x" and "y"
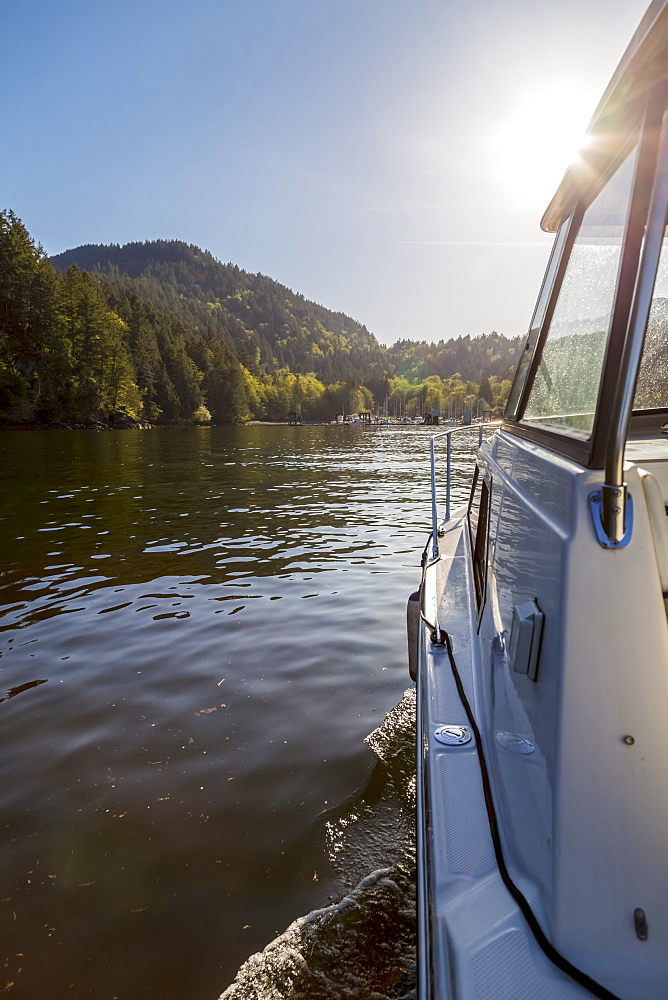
{"x": 614, "y": 490}
{"x": 434, "y": 507}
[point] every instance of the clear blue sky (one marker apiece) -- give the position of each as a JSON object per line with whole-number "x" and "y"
{"x": 387, "y": 158}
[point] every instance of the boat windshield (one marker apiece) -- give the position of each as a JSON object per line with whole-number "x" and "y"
{"x": 567, "y": 378}
{"x": 652, "y": 386}
{"x": 524, "y": 364}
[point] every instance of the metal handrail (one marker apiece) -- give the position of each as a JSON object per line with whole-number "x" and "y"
{"x": 434, "y": 511}
{"x": 614, "y": 490}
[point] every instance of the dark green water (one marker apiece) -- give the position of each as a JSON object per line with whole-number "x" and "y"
{"x": 199, "y": 628}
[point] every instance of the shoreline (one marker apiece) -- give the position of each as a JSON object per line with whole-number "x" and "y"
{"x": 75, "y": 425}
{"x": 126, "y": 425}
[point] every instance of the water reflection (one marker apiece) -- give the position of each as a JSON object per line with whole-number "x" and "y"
{"x": 12, "y": 693}
{"x": 219, "y": 614}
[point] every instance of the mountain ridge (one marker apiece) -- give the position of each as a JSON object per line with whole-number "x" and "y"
{"x": 269, "y": 325}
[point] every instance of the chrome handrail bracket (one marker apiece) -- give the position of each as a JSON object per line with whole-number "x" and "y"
{"x": 596, "y": 501}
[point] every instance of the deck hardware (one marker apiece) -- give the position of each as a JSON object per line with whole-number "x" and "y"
{"x": 515, "y": 743}
{"x": 629, "y": 740}
{"x": 595, "y": 501}
{"x": 525, "y": 637}
{"x": 453, "y": 736}
{"x": 438, "y": 637}
{"x": 499, "y": 642}
{"x": 640, "y": 921}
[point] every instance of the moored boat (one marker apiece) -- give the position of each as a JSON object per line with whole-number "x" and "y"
{"x": 539, "y": 637}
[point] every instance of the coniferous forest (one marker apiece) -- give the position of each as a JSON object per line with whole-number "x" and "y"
{"x": 162, "y": 332}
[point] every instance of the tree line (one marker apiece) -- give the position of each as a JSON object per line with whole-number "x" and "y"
{"x": 164, "y": 333}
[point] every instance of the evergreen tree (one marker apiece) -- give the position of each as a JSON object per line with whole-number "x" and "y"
{"x": 226, "y": 388}
{"x": 146, "y": 357}
{"x": 184, "y": 374}
{"x": 485, "y": 391}
{"x": 33, "y": 356}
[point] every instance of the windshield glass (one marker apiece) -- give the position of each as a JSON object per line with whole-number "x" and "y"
{"x": 523, "y": 367}
{"x": 567, "y": 379}
{"x": 652, "y": 387}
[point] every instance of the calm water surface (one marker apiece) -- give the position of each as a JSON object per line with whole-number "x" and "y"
{"x": 199, "y": 628}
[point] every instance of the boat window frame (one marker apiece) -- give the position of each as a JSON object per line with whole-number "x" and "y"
{"x": 590, "y": 452}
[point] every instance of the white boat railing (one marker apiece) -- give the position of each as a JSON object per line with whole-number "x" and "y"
{"x": 434, "y": 507}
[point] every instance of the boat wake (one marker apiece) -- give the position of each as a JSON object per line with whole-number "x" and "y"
{"x": 361, "y": 945}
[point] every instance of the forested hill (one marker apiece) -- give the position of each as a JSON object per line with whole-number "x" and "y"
{"x": 269, "y": 326}
{"x": 164, "y": 332}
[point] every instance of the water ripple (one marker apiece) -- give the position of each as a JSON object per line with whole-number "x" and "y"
{"x": 202, "y": 625}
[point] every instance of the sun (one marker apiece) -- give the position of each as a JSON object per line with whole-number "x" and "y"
{"x": 542, "y": 135}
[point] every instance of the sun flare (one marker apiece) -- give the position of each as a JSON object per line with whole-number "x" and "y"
{"x": 542, "y": 135}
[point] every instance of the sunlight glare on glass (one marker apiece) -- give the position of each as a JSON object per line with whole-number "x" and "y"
{"x": 543, "y": 134}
